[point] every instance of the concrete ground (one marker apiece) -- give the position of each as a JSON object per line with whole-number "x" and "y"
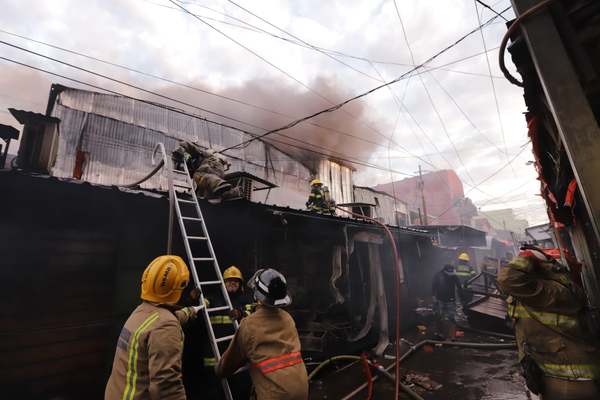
{"x": 465, "y": 374}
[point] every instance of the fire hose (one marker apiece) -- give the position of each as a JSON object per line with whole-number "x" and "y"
{"x": 379, "y": 368}
{"x": 397, "y": 267}
{"x": 413, "y": 349}
{"x": 513, "y": 27}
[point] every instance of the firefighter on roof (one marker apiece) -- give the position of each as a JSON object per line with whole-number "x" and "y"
{"x": 208, "y": 169}
{"x": 147, "y": 361}
{"x": 560, "y": 359}
{"x": 268, "y": 339}
{"x": 319, "y": 199}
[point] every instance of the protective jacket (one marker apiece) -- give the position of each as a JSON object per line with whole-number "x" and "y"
{"x": 546, "y": 307}
{"x": 464, "y": 271}
{"x": 147, "y": 363}
{"x": 445, "y": 285}
{"x": 268, "y": 340}
{"x": 316, "y": 199}
{"x": 222, "y": 322}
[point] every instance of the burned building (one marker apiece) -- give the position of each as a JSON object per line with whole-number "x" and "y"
{"x": 75, "y": 241}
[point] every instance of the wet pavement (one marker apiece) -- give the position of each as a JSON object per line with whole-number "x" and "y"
{"x": 465, "y": 374}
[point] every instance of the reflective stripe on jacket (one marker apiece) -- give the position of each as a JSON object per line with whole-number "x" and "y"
{"x": 268, "y": 339}
{"x": 276, "y": 363}
{"x": 147, "y": 362}
{"x": 545, "y": 306}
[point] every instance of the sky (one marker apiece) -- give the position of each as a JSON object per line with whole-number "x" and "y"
{"x": 452, "y": 113}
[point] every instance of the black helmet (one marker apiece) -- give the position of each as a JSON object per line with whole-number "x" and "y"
{"x": 270, "y": 288}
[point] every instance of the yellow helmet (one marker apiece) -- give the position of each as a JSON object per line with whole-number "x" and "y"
{"x": 464, "y": 257}
{"x": 164, "y": 279}
{"x": 315, "y": 182}
{"x": 233, "y": 272}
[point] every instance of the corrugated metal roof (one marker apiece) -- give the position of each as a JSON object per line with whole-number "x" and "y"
{"x": 29, "y": 117}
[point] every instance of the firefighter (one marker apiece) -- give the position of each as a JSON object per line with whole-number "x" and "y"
{"x": 445, "y": 285}
{"x": 559, "y": 358}
{"x": 319, "y": 199}
{"x": 208, "y": 170}
{"x": 147, "y": 362}
{"x": 268, "y": 340}
{"x": 464, "y": 272}
{"x": 234, "y": 283}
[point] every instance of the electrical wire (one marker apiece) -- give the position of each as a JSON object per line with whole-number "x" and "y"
{"x": 489, "y": 66}
{"x": 329, "y": 154}
{"x": 464, "y": 114}
{"x": 361, "y": 95}
{"x": 491, "y": 9}
{"x": 257, "y": 29}
{"x": 209, "y": 93}
{"x": 277, "y": 68}
{"x": 301, "y": 40}
{"x": 486, "y": 179}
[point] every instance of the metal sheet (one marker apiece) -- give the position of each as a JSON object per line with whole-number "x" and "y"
{"x": 118, "y": 136}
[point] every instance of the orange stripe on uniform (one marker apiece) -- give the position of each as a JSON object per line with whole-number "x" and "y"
{"x": 280, "y": 362}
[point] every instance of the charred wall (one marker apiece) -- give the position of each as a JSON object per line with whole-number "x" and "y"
{"x": 73, "y": 255}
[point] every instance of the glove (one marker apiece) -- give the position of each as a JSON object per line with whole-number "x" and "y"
{"x": 235, "y": 314}
{"x": 197, "y": 308}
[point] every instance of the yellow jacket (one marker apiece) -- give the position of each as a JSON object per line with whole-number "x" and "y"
{"x": 147, "y": 363}
{"x": 546, "y": 308}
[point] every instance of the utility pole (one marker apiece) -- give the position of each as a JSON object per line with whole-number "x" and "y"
{"x": 421, "y": 186}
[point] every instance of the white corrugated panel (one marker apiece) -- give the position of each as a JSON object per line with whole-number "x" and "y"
{"x": 119, "y": 134}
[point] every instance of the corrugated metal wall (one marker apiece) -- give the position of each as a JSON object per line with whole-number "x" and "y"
{"x": 339, "y": 180}
{"x": 119, "y": 134}
{"x": 387, "y": 205}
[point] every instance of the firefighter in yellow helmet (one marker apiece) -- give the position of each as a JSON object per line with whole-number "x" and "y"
{"x": 319, "y": 199}
{"x": 560, "y": 358}
{"x": 464, "y": 272}
{"x": 147, "y": 362}
{"x": 222, "y": 324}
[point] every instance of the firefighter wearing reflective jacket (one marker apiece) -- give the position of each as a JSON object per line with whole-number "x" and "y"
{"x": 222, "y": 323}
{"x": 268, "y": 340}
{"x": 464, "y": 272}
{"x": 559, "y": 360}
{"x": 319, "y": 199}
{"x": 147, "y": 361}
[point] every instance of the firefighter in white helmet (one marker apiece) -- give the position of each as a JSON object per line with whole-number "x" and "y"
{"x": 268, "y": 340}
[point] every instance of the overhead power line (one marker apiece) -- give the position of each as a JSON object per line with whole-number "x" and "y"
{"x": 359, "y": 96}
{"x": 228, "y": 98}
{"x": 330, "y": 154}
{"x": 497, "y": 104}
{"x": 247, "y": 26}
{"x": 278, "y": 69}
{"x": 496, "y": 172}
{"x": 491, "y": 9}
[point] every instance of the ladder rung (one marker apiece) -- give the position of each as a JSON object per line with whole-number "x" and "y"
{"x": 178, "y": 171}
{"x": 203, "y": 259}
{"x": 181, "y": 185}
{"x": 186, "y": 201}
{"x": 192, "y": 218}
{"x": 210, "y": 282}
{"x": 224, "y": 338}
{"x": 215, "y": 309}
{"x": 196, "y": 238}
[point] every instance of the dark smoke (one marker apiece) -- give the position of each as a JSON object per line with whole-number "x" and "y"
{"x": 288, "y": 100}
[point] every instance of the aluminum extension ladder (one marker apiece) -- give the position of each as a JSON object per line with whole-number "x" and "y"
{"x": 180, "y": 178}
